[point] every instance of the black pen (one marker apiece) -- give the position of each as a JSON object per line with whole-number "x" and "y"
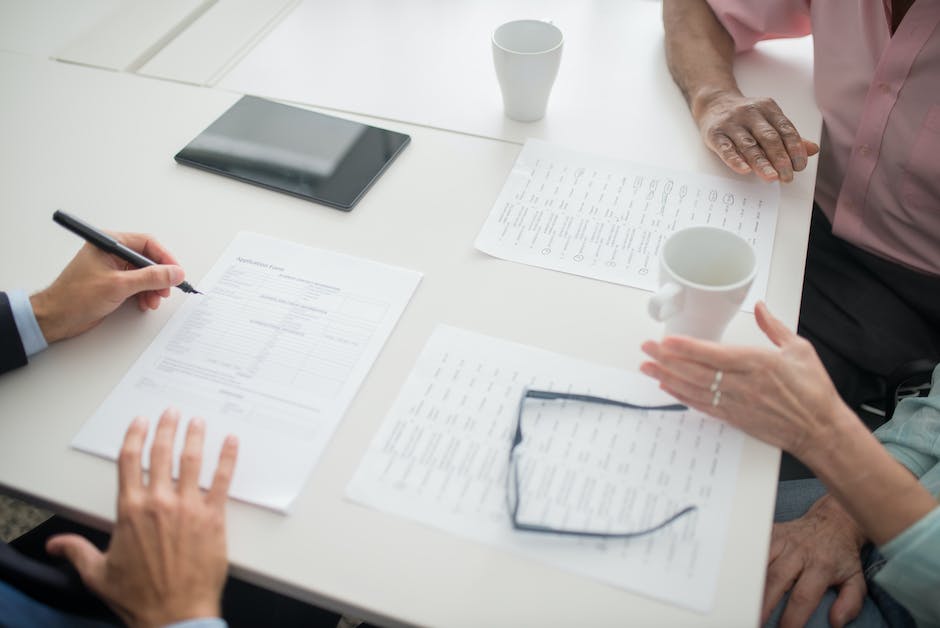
{"x": 109, "y": 245}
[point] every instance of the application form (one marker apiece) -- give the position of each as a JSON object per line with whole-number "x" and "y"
{"x": 273, "y": 352}
{"x": 606, "y": 219}
{"x": 441, "y": 458}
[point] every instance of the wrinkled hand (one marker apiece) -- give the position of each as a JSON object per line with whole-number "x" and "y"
{"x": 752, "y": 135}
{"x": 167, "y": 558}
{"x": 809, "y": 555}
{"x": 95, "y": 283}
{"x": 781, "y": 396}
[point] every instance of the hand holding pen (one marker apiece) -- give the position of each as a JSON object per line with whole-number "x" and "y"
{"x": 109, "y": 244}
{"x": 95, "y": 283}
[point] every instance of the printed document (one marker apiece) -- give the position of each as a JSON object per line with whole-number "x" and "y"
{"x": 606, "y": 219}
{"x": 273, "y": 352}
{"x": 441, "y": 458}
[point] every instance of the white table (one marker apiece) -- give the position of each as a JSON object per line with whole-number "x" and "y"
{"x": 101, "y": 143}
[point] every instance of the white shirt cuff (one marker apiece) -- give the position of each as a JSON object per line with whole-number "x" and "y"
{"x": 201, "y": 622}
{"x": 26, "y": 323}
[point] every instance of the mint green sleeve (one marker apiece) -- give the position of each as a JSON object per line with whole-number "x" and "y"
{"x": 912, "y": 436}
{"x": 912, "y": 572}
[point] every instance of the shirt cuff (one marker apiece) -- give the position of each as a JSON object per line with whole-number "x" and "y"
{"x": 201, "y": 622}
{"x": 26, "y": 323}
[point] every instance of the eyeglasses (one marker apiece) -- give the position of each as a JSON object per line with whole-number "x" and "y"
{"x": 515, "y": 495}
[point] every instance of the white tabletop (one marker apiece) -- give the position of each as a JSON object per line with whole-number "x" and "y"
{"x": 100, "y": 144}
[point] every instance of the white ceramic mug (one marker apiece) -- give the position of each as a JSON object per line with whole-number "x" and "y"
{"x": 704, "y": 276}
{"x": 526, "y": 54}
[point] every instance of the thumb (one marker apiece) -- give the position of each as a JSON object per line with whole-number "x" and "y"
{"x": 811, "y": 147}
{"x": 775, "y": 330}
{"x": 156, "y": 277}
{"x": 85, "y": 557}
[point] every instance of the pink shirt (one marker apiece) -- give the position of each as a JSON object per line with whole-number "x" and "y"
{"x": 879, "y": 167}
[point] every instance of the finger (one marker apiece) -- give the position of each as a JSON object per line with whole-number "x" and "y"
{"x": 753, "y": 154}
{"x": 782, "y": 573}
{"x": 153, "y": 300}
{"x": 148, "y": 301}
{"x": 692, "y": 372}
{"x": 792, "y": 141}
{"x": 805, "y": 596}
{"x": 130, "y": 474}
{"x": 85, "y": 557}
{"x": 695, "y": 404}
{"x": 161, "y": 452}
{"x": 222, "y": 479}
{"x": 722, "y": 145}
{"x": 191, "y": 458}
{"x": 778, "y": 333}
{"x": 773, "y": 146}
{"x": 849, "y": 602}
{"x": 707, "y": 353}
{"x": 164, "y": 293}
{"x": 675, "y": 385}
{"x": 812, "y": 148}
{"x": 652, "y": 349}
{"x": 777, "y": 544}
{"x": 148, "y": 246}
{"x": 150, "y": 278}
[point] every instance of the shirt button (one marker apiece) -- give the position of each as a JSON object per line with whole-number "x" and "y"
{"x": 864, "y": 150}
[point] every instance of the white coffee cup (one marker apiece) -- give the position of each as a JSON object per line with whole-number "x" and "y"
{"x": 704, "y": 276}
{"x": 526, "y": 54}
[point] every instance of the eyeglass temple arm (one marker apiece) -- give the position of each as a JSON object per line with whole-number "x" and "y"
{"x": 549, "y": 395}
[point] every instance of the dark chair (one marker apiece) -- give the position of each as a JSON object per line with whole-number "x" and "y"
{"x": 908, "y": 380}
{"x": 25, "y": 565}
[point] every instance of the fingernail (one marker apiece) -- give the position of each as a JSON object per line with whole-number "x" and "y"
{"x": 176, "y": 275}
{"x": 769, "y": 171}
{"x": 231, "y": 440}
{"x": 198, "y": 422}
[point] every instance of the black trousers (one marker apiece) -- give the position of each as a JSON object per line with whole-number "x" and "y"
{"x": 865, "y": 316}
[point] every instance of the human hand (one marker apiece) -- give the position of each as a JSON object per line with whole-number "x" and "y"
{"x": 781, "y": 396}
{"x": 95, "y": 283}
{"x": 809, "y": 555}
{"x": 167, "y": 558}
{"x": 751, "y": 135}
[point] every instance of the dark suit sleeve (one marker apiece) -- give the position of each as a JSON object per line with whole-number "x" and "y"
{"x": 12, "y": 354}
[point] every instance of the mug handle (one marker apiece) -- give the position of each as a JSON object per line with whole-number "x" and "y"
{"x": 665, "y": 303}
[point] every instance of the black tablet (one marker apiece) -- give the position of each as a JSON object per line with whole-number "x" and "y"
{"x": 311, "y": 155}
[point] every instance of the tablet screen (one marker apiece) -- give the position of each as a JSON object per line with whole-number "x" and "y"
{"x": 308, "y": 154}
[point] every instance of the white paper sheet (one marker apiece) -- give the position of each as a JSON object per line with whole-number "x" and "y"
{"x": 273, "y": 352}
{"x": 606, "y": 219}
{"x": 441, "y": 458}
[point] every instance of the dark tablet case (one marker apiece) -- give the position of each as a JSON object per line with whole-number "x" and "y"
{"x": 314, "y": 156}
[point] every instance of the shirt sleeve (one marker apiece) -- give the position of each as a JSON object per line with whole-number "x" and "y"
{"x": 750, "y": 21}
{"x": 26, "y": 323}
{"x": 912, "y": 573}
{"x": 912, "y": 436}
{"x": 201, "y": 622}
